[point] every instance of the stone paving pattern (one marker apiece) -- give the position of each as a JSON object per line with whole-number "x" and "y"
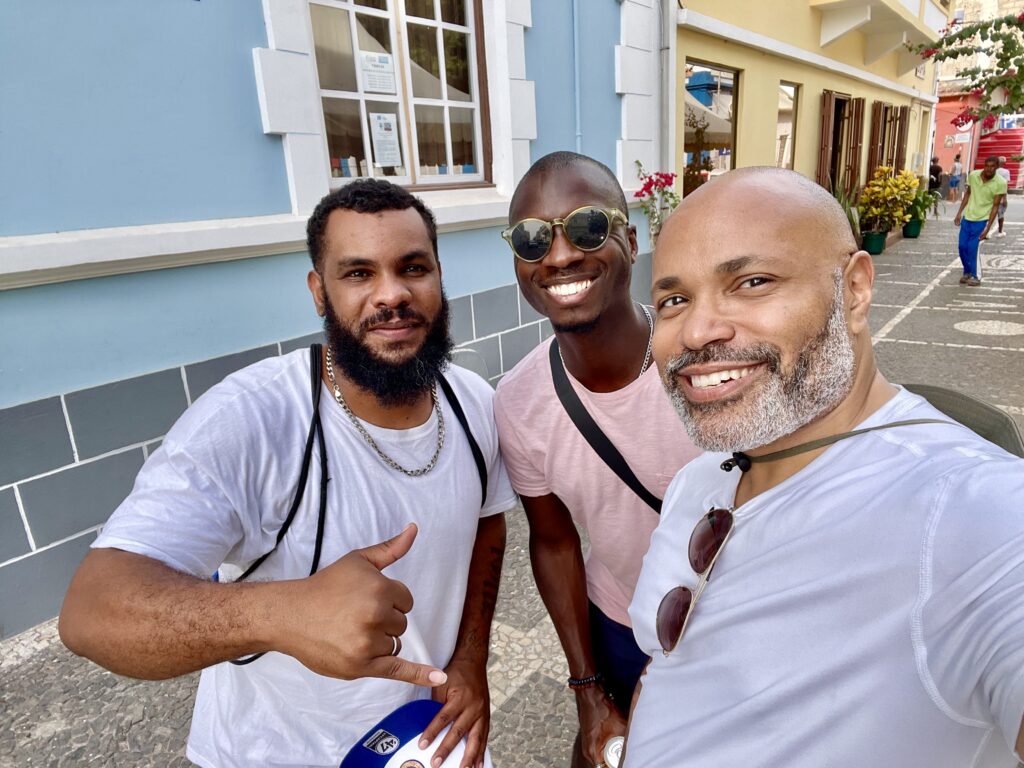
{"x": 59, "y": 710}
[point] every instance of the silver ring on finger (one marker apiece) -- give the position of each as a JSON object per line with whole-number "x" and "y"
{"x": 397, "y": 646}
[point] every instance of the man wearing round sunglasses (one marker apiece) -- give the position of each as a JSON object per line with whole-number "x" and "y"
{"x": 840, "y": 580}
{"x": 574, "y": 249}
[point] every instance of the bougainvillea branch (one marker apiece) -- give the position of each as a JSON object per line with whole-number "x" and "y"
{"x": 999, "y": 86}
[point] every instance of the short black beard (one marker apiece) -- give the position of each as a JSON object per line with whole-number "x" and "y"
{"x": 586, "y": 326}
{"x": 392, "y": 384}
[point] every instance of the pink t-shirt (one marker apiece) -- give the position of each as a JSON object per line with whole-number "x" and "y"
{"x": 545, "y": 453}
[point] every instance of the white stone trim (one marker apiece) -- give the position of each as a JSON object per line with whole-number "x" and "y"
{"x": 56, "y": 257}
{"x": 837, "y": 22}
{"x": 710, "y": 26}
{"x": 878, "y": 45}
{"x": 287, "y": 86}
{"x": 520, "y": 100}
{"x": 639, "y": 74}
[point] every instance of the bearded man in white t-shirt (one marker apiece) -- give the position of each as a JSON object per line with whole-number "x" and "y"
{"x": 388, "y": 453}
{"x": 866, "y": 597}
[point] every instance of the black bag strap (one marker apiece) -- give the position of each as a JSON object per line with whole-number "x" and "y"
{"x": 478, "y": 455}
{"x": 316, "y": 430}
{"x": 592, "y": 433}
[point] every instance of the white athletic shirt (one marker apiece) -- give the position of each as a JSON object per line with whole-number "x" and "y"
{"x": 218, "y": 490}
{"x": 868, "y": 611}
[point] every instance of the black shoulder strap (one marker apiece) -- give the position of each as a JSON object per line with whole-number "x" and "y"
{"x": 592, "y": 433}
{"x": 478, "y": 455}
{"x": 307, "y": 456}
{"x": 315, "y": 431}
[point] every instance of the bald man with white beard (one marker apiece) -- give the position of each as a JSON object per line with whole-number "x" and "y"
{"x": 840, "y": 581}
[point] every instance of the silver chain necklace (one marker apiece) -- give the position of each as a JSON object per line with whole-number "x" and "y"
{"x": 650, "y": 343}
{"x": 369, "y": 438}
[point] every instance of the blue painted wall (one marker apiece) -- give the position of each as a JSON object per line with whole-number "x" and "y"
{"x": 120, "y": 112}
{"x": 549, "y": 63}
{"x": 67, "y": 336}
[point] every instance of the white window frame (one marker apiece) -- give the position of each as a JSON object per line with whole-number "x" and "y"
{"x": 445, "y": 103}
{"x": 407, "y": 102}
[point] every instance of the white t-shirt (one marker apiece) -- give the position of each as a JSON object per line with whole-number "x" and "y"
{"x": 868, "y": 611}
{"x": 218, "y": 490}
{"x": 1005, "y": 173}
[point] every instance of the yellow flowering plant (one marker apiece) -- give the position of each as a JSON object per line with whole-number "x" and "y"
{"x": 886, "y": 200}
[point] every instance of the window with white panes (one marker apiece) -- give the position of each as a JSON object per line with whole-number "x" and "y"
{"x": 400, "y": 88}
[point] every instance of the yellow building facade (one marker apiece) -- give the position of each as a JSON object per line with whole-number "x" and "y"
{"x": 826, "y": 87}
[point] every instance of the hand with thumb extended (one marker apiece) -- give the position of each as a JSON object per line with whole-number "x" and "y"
{"x": 345, "y": 620}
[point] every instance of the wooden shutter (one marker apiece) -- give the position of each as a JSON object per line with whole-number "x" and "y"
{"x": 855, "y": 145}
{"x": 902, "y": 130}
{"x": 877, "y": 140}
{"x": 828, "y": 111}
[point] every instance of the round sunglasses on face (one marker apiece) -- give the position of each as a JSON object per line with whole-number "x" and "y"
{"x": 706, "y": 544}
{"x": 586, "y": 229}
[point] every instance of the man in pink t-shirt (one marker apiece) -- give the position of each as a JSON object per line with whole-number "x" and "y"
{"x": 574, "y": 250}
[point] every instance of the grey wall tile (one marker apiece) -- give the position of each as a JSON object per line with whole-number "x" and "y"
{"x": 546, "y": 331}
{"x": 35, "y": 440}
{"x": 471, "y": 360}
{"x": 131, "y": 411}
{"x": 202, "y": 376}
{"x": 496, "y": 310}
{"x": 462, "y": 319}
{"x": 34, "y": 587}
{"x": 66, "y": 502}
{"x": 302, "y": 342}
{"x": 13, "y": 541}
{"x": 527, "y": 313}
{"x": 489, "y": 352}
{"x": 640, "y": 287}
{"x": 515, "y": 345}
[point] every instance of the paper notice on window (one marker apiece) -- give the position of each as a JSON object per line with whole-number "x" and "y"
{"x": 378, "y": 72}
{"x": 387, "y": 152}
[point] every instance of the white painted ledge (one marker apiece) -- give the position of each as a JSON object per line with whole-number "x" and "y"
{"x": 58, "y": 257}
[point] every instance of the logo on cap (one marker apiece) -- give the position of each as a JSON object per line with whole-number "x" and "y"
{"x": 383, "y": 743}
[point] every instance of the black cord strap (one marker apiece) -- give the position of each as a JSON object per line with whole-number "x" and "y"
{"x": 744, "y": 462}
{"x": 592, "y": 433}
{"x": 478, "y": 455}
{"x": 316, "y": 430}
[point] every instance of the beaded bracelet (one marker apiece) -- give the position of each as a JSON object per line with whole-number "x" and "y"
{"x": 585, "y": 682}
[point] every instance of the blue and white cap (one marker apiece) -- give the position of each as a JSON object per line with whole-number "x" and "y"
{"x": 393, "y": 742}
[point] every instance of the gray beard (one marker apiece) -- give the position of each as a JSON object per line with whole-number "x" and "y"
{"x": 782, "y": 403}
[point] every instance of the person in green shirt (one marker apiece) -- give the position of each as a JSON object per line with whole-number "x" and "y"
{"x": 985, "y": 191}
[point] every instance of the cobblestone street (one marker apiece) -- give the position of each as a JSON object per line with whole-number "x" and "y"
{"x": 59, "y": 710}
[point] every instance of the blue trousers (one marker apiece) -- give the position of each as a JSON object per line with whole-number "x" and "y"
{"x": 617, "y": 656}
{"x": 970, "y": 234}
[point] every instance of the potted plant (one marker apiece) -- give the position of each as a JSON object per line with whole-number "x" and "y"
{"x": 923, "y": 202}
{"x": 883, "y": 204}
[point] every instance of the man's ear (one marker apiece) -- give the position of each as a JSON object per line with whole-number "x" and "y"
{"x": 859, "y": 279}
{"x": 633, "y": 247}
{"x": 315, "y": 283}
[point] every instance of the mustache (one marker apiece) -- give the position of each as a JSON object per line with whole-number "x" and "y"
{"x": 769, "y": 354}
{"x": 387, "y": 314}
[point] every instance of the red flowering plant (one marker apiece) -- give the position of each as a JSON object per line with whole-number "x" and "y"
{"x": 1000, "y": 85}
{"x": 657, "y": 196}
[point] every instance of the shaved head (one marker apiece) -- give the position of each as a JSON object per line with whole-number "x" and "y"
{"x": 776, "y": 194}
{"x": 600, "y": 177}
{"x": 762, "y": 297}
